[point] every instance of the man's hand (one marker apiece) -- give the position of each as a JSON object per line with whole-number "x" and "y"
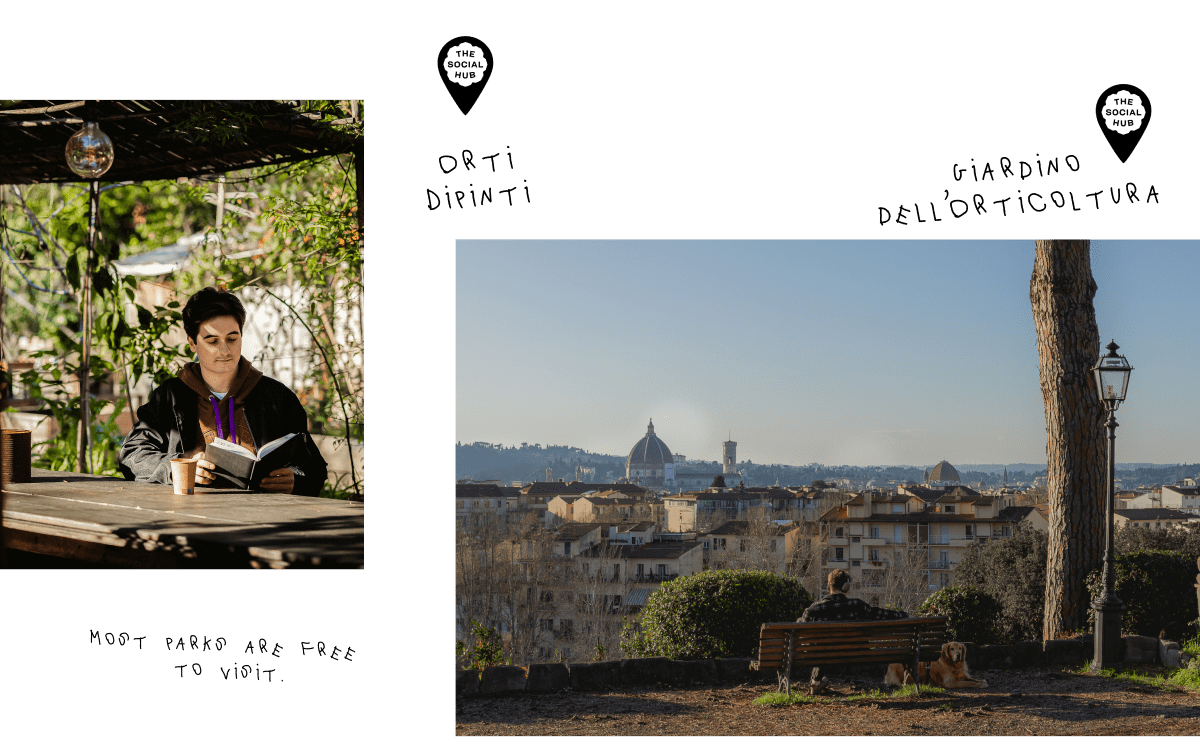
{"x": 281, "y": 481}
{"x": 204, "y": 474}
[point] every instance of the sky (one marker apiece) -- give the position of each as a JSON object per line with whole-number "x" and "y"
{"x": 833, "y": 352}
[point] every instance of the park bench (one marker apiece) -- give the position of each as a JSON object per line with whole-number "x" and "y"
{"x": 784, "y": 645}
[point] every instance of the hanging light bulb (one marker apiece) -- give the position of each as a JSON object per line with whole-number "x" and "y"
{"x": 90, "y": 151}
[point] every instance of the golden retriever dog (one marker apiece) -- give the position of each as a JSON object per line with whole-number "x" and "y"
{"x": 949, "y": 672}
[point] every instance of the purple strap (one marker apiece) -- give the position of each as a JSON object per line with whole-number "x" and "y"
{"x": 217, "y": 416}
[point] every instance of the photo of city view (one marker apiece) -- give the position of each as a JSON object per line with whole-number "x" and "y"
{"x": 632, "y": 415}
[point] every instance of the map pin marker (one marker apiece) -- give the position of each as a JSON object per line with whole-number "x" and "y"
{"x": 1123, "y": 112}
{"x": 465, "y": 64}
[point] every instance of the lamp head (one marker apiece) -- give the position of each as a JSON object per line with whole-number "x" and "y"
{"x": 1112, "y": 376}
{"x": 90, "y": 150}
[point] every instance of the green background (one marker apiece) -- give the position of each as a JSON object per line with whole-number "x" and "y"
{"x": 628, "y": 120}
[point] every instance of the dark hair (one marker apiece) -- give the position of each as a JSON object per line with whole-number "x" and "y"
{"x": 209, "y": 303}
{"x": 839, "y": 579}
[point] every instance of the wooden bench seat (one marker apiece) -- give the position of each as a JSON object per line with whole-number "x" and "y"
{"x": 785, "y": 645}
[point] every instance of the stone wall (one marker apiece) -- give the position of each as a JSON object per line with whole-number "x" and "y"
{"x": 608, "y": 675}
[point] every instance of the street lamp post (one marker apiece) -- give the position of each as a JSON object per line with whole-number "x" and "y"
{"x": 89, "y": 154}
{"x": 1112, "y": 379}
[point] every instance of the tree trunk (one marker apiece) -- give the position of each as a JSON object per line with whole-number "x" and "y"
{"x": 1061, "y": 291}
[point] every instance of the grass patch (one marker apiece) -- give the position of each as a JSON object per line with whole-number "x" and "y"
{"x": 1170, "y": 679}
{"x": 926, "y": 690}
{"x": 1192, "y": 647}
{"x": 801, "y": 696}
{"x": 783, "y": 699}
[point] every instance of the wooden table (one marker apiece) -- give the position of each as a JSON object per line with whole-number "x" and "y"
{"x": 130, "y": 524}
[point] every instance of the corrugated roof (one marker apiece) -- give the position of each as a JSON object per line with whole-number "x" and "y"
{"x": 161, "y": 140}
{"x": 638, "y": 597}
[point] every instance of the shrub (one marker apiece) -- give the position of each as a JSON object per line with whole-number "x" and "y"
{"x": 1013, "y": 572}
{"x": 487, "y": 651}
{"x": 1185, "y": 539}
{"x": 714, "y": 614}
{"x": 972, "y": 613}
{"x": 1158, "y": 590}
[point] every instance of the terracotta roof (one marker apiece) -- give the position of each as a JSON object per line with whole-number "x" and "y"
{"x": 574, "y": 530}
{"x": 650, "y": 550}
{"x": 558, "y": 488}
{"x": 836, "y": 514}
{"x": 609, "y": 502}
{"x": 1154, "y": 514}
{"x": 743, "y": 528}
{"x": 478, "y": 490}
{"x": 1015, "y": 513}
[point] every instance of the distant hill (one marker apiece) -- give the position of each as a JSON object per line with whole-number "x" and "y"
{"x": 528, "y": 463}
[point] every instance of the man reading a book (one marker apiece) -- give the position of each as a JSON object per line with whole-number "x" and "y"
{"x": 221, "y": 397}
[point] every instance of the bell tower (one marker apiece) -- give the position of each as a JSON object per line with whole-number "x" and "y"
{"x": 729, "y": 457}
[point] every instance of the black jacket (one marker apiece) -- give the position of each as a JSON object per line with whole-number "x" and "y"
{"x": 271, "y": 411}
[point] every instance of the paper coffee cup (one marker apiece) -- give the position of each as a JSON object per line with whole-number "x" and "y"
{"x": 183, "y": 475}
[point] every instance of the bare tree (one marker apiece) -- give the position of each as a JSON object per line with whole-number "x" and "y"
{"x": 528, "y": 592}
{"x": 906, "y": 578}
{"x": 1061, "y": 291}
{"x": 806, "y": 555}
{"x": 759, "y": 544}
{"x": 481, "y": 575}
{"x": 601, "y": 598}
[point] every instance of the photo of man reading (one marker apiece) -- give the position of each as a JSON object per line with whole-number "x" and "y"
{"x": 220, "y": 396}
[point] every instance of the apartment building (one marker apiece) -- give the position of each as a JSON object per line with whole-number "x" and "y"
{"x": 478, "y": 505}
{"x": 909, "y": 542}
{"x": 1153, "y": 518}
{"x": 753, "y": 545}
{"x": 595, "y": 575}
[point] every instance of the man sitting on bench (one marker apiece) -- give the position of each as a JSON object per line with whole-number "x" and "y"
{"x": 837, "y": 606}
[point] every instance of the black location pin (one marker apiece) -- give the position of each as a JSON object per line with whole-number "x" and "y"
{"x": 1123, "y": 112}
{"x": 465, "y": 64}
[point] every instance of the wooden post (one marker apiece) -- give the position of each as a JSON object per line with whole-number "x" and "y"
{"x": 916, "y": 661}
{"x": 787, "y": 662}
{"x": 83, "y": 442}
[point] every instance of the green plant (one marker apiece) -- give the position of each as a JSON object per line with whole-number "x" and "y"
{"x": 600, "y": 652}
{"x": 714, "y": 614}
{"x": 486, "y": 651}
{"x": 1169, "y": 681}
{"x": 1188, "y": 678}
{"x": 910, "y": 690}
{"x": 1193, "y": 646}
{"x": 1013, "y": 572}
{"x": 972, "y": 613}
{"x": 1186, "y": 539}
{"x": 783, "y": 699}
{"x": 1158, "y": 590}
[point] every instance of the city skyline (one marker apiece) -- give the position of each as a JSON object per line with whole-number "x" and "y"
{"x": 861, "y": 353}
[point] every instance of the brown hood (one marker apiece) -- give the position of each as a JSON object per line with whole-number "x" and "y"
{"x": 247, "y": 377}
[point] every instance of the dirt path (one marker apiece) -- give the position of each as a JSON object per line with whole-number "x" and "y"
{"x": 1016, "y": 702}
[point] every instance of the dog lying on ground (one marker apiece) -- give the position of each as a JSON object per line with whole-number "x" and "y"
{"x": 949, "y": 672}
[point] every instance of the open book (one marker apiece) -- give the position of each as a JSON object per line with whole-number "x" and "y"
{"x": 242, "y": 467}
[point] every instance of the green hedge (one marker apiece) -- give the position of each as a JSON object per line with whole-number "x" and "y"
{"x": 972, "y": 613}
{"x": 1158, "y": 589}
{"x": 1013, "y": 572}
{"x": 714, "y": 614}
